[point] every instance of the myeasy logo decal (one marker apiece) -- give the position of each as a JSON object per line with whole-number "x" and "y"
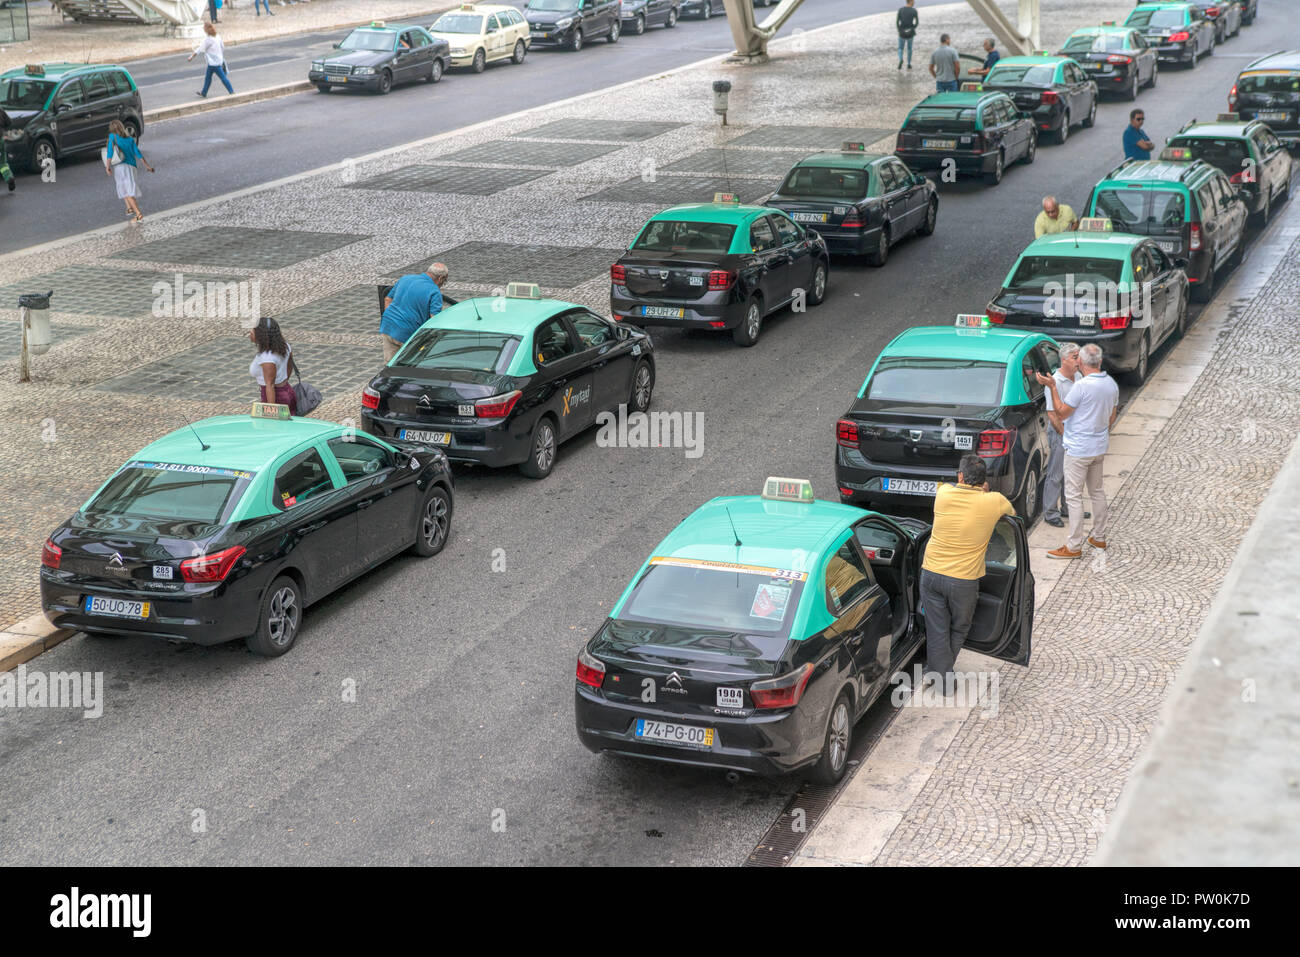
{"x": 74, "y": 910}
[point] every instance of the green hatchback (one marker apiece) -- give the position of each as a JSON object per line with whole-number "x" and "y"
{"x": 974, "y": 131}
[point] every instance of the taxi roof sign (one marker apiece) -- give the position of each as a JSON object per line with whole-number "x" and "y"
{"x": 378, "y": 23}
{"x": 1176, "y": 153}
{"x": 726, "y": 198}
{"x": 777, "y": 489}
{"x": 1096, "y": 224}
{"x": 523, "y": 290}
{"x": 967, "y": 320}
{"x": 1228, "y": 117}
{"x": 34, "y": 69}
{"x": 270, "y": 410}
{"x": 1108, "y": 23}
{"x": 847, "y": 147}
{"x": 971, "y": 87}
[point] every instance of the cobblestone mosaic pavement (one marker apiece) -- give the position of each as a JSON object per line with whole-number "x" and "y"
{"x": 240, "y": 247}
{"x": 100, "y": 290}
{"x": 449, "y": 179}
{"x": 730, "y": 160}
{"x": 667, "y": 190}
{"x": 529, "y": 153}
{"x": 809, "y": 137}
{"x": 11, "y": 337}
{"x": 558, "y": 267}
{"x": 628, "y": 131}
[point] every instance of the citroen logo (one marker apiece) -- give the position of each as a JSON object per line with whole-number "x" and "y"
{"x": 116, "y": 560}
{"x": 424, "y": 400}
{"x": 915, "y": 434}
{"x": 663, "y": 274}
{"x": 673, "y": 683}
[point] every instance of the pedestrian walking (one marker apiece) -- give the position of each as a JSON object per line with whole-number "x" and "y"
{"x": 265, "y": 3}
{"x": 214, "y": 54}
{"x": 213, "y": 7}
{"x": 991, "y": 57}
{"x": 1137, "y": 145}
{"x": 412, "y": 301}
{"x": 1054, "y": 479}
{"x": 122, "y": 159}
{"x": 906, "y": 22}
{"x": 5, "y": 171}
{"x": 1088, "y": 417}
{"x": 1054, "y": 218}
{"x": 944, "y": 66}
{"x": 272, "y": 365}
{"x": 964, "y": 517}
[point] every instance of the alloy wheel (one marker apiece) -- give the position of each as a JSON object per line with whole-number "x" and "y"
{"x": 837, "y": 741}
{"x": 641, "y": 387}
{"x": 434, "y": 524}
{"x": 544, "y": 447}
{"x": 282, "y": 617}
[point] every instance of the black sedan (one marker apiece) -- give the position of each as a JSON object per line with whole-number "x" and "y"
{"x": 378, "y": 56}
{"x": 639, "y": 14}
{"x": 970, "y": 131}
{"x": 719, "y": 266}
{"x": 1179, "y": 32}
{"x": 569, "y": 24}
{"x": 1054, "y": 90}
{"x": 1117, "y": 59}
{"x": 860, "y": 203}
{"x": 503, "y": 381}
{"x": 230, "y": 528}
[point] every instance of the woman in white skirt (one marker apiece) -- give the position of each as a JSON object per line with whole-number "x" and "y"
{"x": 121, "y": 159}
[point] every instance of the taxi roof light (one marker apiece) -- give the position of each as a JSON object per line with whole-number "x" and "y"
{"x": 378, "y": 23}
{"x": 270, "y": 410}
{"x": 848, "y": 147}
{"x": 523, "y": 290}
{"x": 968, "y": 320}
{"x": 777, "y": 489}
{"x": 726, "y": 198}
{"x": 1228, "y": 117}
{"x": 971, "y": 87}
{"x": 1108, "y": 23}
{"x": 34, "y": 69}
{"x": 1176, "y": 153}
{"x": 1096, "y": 224}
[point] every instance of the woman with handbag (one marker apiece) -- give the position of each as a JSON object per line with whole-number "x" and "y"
{"x": 271, "y": 366}
{"x": 121, "y": 156}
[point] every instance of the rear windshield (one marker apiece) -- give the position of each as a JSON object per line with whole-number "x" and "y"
{"x": 1098, "y": 43}
{"x": 825, "y": 181}
{"x": 1037, "y": 74}
{"x": 1156, "y": 18}
{"x": 1140, "y": 210}
{"x": 458, "y": 349}
{"x": 165, "y": 491}
{"x": 937, "y": 381}
{"x": 1269, "y": 83}
{"x": 694, "y": 595}
{"x": 673, "y": 235}
{"x": 938, "y": 119}
{"x": 1035, "y": 272}
{"x": 21, "y": 93}
{"x": 1227, "y": 155}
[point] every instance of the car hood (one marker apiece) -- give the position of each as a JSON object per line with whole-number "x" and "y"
{"x": 358, "y": 57}
{"x": 20, "y": 118}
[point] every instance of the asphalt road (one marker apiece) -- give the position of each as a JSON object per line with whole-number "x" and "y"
{"x": 464, "y": 675}
{"x": 210, "y": 154}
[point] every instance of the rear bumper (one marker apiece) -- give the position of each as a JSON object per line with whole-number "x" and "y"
{"x": 495, "y": 446}
{"x": 1177, "y": 52}
{"x": 850, "y": 242}
{"x": 702, "y": 313}
{"x": 862, "y": 477}
{"x": 965, "y": 160}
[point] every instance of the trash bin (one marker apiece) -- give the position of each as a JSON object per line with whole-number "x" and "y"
{"x": 34, "y": 311}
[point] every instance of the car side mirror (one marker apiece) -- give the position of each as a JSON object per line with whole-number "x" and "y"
{"x": 338, "y": 46}
{"x": 62, "y": 107}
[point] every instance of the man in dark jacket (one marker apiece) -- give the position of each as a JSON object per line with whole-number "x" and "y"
{"x": 906, "y": 21}
{"x": 5, "y": 172}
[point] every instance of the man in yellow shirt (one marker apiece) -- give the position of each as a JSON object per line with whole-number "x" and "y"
{"x": 1055, "y": 218}
{"x": 964, "y": 517}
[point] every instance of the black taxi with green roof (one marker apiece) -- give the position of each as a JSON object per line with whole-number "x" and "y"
{"x": 230, "y": 527}
{"x": 1268, "y": 89}
{"x": 379, "y": 56}
{"x": 972, "y": 131}
{"x": 1055, "y": 90}
{"x": 1248, "y": 152}
{"x": 503, "y": 380}
{"x": 759, "y": 631}
{"x": 1180, "y": 32}
{"x": 1118, "y": 59}
{"x": 860, "y": 203}
{"x": 720, "y": 265}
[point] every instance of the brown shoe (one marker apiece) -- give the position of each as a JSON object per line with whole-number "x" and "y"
{"x": 1064, "y": 552}
{"x": 1096, "y": 544}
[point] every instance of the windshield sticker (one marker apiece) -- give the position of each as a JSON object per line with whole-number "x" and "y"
{"x": 770, "y": 601}
{"x": 192, "y": 469}
{"x": 781, "y": 573}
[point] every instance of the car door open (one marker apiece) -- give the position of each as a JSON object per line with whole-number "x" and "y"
{"x": 1004, "y": 614}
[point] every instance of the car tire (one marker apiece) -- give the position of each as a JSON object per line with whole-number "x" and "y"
{"x": 436, "y": 70}
{"x": 615, "y": 31}
{"x": 479, "y": 63}
{"x": 1191, "y": 64}
{"x": 817, "y": 283}
{"x": 639, "y": 26}
{"x": 1203, "y": 291}
{"x": 322, "y": 87}
{"x": 1030, "y": 499}
{"x": 708, "y": 10}
{"x": 834, "y": 759}
{"x": 1091, "y": 118}
{"x": 643, "y": 387}
{"x": 132, "y": 128}
{"x": 42, "y": 149}
{"x": 543, "y": 448}
{"x": 672, "y": 18}
{"x": 1261, "y": 218}
{"x": 1180, "y": 324}
{"x": 521, "y": 51}
{"x": 433, "y": 526}
{"x": 1138, "y": 374}
{"x": 1063, "y": 133}
{"x": 1133, "y": 90}
{"x": 385, "y": 82}
{"x": 751, "y": 326}
{"x": 1031, "y": 151}
{"x": 995, "y": 177}
{"x": 279, "y": 620}
{"x": 575, "y": 42}
{"x": 881, "y": 254}
{"x": 931, "y": 218}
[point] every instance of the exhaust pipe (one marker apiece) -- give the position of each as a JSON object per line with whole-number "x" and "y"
{"x": 733, "y": 777}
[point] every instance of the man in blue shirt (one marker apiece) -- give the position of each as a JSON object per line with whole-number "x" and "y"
{"x": 409, "y": 305}
{"x": 992, "y": 56}
{"x": 1137, "y": 145}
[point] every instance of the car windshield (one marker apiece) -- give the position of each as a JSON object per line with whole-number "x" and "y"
{"x": 1269, "y": 83}
{"x": 163, "y": 491}
{"x": 1141, "y": 210}
{"x": 458, "y": 23}
{"x": 552, "y": 5}
{"x": 1156, "y": 18}
{"x": 1228, "y": 155}
{"x": 1022, "y": 74}
{"x": 673, "y": 235}
{"x": 458, "y": 349}
{"x": 376, "y": 40}
{"x": 936, "y": 119}
{"x": 1095, "y": 43}
{"x": 825, "y": 181}
{"x": 937, "y": 381}
{"x": 23, "y": 93}
{"x": 1035, "y": 272}
{"x": 700, "y": 595}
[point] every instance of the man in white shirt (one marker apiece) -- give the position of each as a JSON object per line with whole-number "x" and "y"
{"x": 1088, "y": 418}
{"x": 1054, "y": 479}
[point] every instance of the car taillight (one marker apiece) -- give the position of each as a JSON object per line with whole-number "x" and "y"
{"x": 996, "y": 315}
{"x": 50, "y": 555}
{"x": 1049, "y": 97}
{"x": 855, "y": 218}
{"x": 591, "y": 671}
{"x": 1119, "y": 58}
{"x": 1114, "y": 320}
{"x": 1211, "y": 11}
{"x": 995, "y": 442}
{"x": 1232, "y": 98}
{"x": 496, "y": 407}
{"x": 1195, "y": 241}
{"x": 782, "y": 692}
{"x": 846, "y": 433}
{"x": 721, "y": 279}
{"x": 369, "y": 398}
{"x": 618, "y": 274}
{"x": 211, "y": 568}
{"x": 1182, "y": 36}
